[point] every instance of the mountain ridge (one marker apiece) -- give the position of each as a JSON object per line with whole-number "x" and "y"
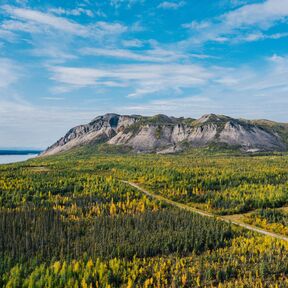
{"x": 164, "y": 134}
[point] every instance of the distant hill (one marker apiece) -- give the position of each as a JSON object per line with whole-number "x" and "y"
{"x": 163, "y": 134}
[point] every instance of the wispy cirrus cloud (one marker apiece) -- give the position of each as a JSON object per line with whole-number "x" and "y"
{"x": 34, "y": 18}
{"x": 262, "y": 14}
{"x": 197, "y": 25}
{"x": 72, "y": 12}
{"x": 51, "y": 36}
{"x": 9, "y": 72}
{"x": 132, "y": 43}
{"x": 171, "y": 5}
{"x": 141, "y": 78}
{"x": 184, "y": 106}
{"x": 156, "y": 54}
{"x": 231, "y": 25}
{"x": 52, "y": 54}
{"x": 126, "y": 3}
{"x": 33, "y": 21}
{"x": 7, "y": 35}
{"x": 225, "y": 90}
{"x": 251, "y": 37}
{"x": 29, "y": 121}
{"x": 153, "y": 55}
{"x": 215, "y": 82}
{"x": 79, "y": 11}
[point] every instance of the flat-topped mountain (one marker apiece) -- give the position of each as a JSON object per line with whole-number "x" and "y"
{"x": 163, "y": 134}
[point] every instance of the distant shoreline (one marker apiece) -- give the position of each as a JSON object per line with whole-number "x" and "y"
{"x": 19, "y": 152}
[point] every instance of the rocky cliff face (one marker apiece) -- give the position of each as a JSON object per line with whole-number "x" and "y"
{"x": 163, "y": 134}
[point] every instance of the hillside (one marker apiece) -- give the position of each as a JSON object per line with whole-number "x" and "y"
{"x": 163, "y": 134}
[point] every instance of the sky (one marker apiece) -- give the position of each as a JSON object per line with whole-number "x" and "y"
{"x": 62, "y": 63}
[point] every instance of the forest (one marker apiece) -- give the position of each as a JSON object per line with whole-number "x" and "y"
{"x": 70, "y": 221}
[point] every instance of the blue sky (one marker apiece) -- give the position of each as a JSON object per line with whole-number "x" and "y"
{"x": 64, "y": 62}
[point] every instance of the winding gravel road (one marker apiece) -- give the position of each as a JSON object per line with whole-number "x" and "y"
{"x": 228, "y": 219}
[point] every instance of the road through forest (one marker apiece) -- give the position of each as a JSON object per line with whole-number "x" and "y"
{"x": 228, "y": 219}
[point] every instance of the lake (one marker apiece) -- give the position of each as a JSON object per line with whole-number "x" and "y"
{"x": 17, "y": 157}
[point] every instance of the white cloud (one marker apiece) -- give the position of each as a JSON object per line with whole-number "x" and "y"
{"x": 142, "y": 78}
{"x": 100, "y": 13}
{"x": 189, "y": 106}
{"x": 37, "y": 126}
{"x": 34, "y": 21}
{"x": 110, "y": 28}
{"x": 52, "y": 51}
{"x": 15, "y": 25}
{"x": 7, "y": 35}
{"x": 137, "y": 27}
{"x": 72, "y": 12}
{"x": 245, "y": 91}
{"x": 154, "y": 55}
{"x": 77, "y": 76}
{"x": 53, "y": 98}
{"x": 195, "y": 25}
{"x": 222, "y": 90}
{"x": 22, "y": 2}
{"x": 261, "y": 36}
{"x": 171, "y": 5}
{"x": 7, "y": 106}
{"x": 34, "y": 16}
{"x": 234, "y": 24}
{"x": 231, "y": 4}
{"x": 261, "y": 14}
{"x": 9, "y": 73}
{"x": 127, "y": 3}
{"x": 133, "y": 43}
{"x": 256, "y": 84}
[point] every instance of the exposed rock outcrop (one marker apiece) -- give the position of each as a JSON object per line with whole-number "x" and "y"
{"x": 163, "y": 134}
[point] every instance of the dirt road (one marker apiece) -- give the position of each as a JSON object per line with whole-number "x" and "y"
{"x": 228, "y": 219}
